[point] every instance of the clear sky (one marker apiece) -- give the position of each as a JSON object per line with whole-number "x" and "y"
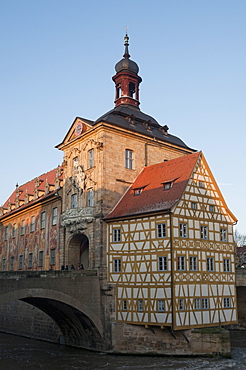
{"x": 58, "y": 57}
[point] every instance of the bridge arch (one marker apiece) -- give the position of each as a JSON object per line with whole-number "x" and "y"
{"x": 77, "y": 322}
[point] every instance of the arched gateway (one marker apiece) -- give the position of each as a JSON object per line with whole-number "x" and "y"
{"x": 78, "y": 251}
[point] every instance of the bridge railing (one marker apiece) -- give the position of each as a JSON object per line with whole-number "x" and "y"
{"x": 46, "y": 274}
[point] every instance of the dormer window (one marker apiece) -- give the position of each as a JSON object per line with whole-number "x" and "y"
{"x": 138, "y": 191}
{"x": 167, "y": 185}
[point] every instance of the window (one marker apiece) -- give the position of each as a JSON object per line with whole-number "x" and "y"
{"x": 23, "y": 227}
{"x": 211, "y": 208}
{"x": 138, "y": 191}
{"x": 91, "y": 158}
{"x": 201, "y": 184}
{"x": 30, "y": 260}
{"x": 4, "y": 264}
{"x": 204, "y": 232}
{"x": 226, "y": 265}
{"x": 197, "y": 303}
{"x": 193, "y": 205}
{"x": 181, "y": 304}
{"x": 210, "y": 264}
{"x": 32, "y": 226}
{"x": 161, "y": 230}
{"x": 54, "y": 216}
{"x": 75, "y": 163}
{"x": 6, "y": 234}
{"x": 223, "y": 235}
{"x": 193, "y": 263}
{"x": 181, "y": 263}
{"x": 43, "y": 219}
{"x": 124, "y": 305}
{"x": 12, "y": 260}
{"x": 160, "y": 306}
{"x": 52, "y": 257}
{"x": 183, "y": 230}
{"x": 90, "y": 198}
{"x": 204, "y": 303}
{"x": 21, "y": 262}
{"x": 117, "y": 265}
{"x": 162, "y": 263}
{"x": 40, "y": 259}
{"x": 227, "y": 302}
{"x": 74, "y": 201}
{"x": 140, "y": 305}
{"x": 129, "y": 159}
{"x": 116, "y": 235}
{"x": 167, "y": 185}
{"x": 14, "y": 231}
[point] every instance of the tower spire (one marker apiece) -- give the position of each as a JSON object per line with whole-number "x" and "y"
{"x": 126, "y": 44}
{"x": 126, "y": 79}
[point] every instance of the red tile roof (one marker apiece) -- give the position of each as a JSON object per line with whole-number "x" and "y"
{"x": 29, "y": 188}
{"x": 151, "y": 180}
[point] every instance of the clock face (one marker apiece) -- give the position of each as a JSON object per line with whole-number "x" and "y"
{"x": 78, "y": 129}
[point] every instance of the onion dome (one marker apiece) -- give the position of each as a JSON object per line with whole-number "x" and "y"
{"x": 126, "y": 64}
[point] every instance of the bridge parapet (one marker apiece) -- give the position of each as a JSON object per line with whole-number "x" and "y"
{"x": 16, "y": 275}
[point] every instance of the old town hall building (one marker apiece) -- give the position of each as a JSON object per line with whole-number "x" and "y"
{"x": 140, "y": 207}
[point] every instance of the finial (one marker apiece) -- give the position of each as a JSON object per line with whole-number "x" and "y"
{"x": 126, "y": 44}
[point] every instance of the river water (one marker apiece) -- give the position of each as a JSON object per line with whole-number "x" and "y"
{"x": 18, "y": 353}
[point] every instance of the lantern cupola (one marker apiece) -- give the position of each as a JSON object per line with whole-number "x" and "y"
{"x": 126, "y": 79}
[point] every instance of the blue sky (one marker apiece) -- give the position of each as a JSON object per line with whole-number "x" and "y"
{"x": 58, "y": 57}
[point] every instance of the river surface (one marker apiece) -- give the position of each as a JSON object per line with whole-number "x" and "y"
{"x": 17, "y": 353}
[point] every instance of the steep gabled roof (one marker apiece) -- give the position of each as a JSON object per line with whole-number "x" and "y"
{"x": 151, "y": 183}
{"x": 43, "y": 186}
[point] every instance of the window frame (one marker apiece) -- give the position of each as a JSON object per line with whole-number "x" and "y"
{"x": 54, "y": 216}
{"x": 43, "y": 220}
{"x": 117, "y": 265}
{"x": 74, "y": 200}
{"x": 11, "y": 264}
{"x": 161, "y": 230}
{"x": 40, "y": 258}
{"x": 181, "y": 263}
{"x": 91, "y": 158}
{"x": 140, "y": 305}
{"x": 162, "y": 263}
{"x": 227, "y": 264}
{"x": 161, "y": 305}
{"x": 204, "y": 232}
{"x": 227, "y": 302}
{"x": 193, "y": 263}
{"x": 52, "y": 257}
{"x": 30, "y": 260}
{"x": 116, "y": 235}
{"x": 20, "y": 262}
{"x": 23, "y": 227}
{"x": 32, "y": 224}
{"x": 223, "y": 235}
{"x": 129, "y": 159}
{"x": 204, "y": 304}
{"x": 183, "y": 230}
{"x": 90, "y": 198}
{"x": 197, "y": 304}
{"x": 210, "y": 264}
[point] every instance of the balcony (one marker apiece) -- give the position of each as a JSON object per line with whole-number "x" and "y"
{"x": 76, "y": 219}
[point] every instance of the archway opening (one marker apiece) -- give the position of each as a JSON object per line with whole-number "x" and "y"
{"x": 78, "y": 251}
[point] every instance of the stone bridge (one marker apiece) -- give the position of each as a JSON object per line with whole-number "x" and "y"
{"x": 77, "y": 302}
{"x": 71, "y": 298}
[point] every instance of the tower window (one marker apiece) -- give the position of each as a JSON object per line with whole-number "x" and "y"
{"x": 74, "y": 201}
{"x": 90, "y": 198}
{"x": 132, "y": 90}
{"x": 129, "y": 159}
{"x": 91, "y": 158}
